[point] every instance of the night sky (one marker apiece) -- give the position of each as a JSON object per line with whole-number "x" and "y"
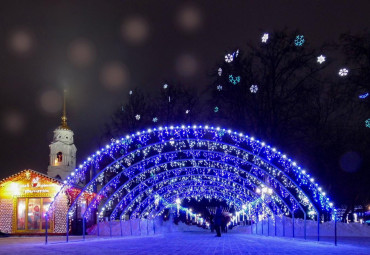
{"x": 99, "y": 50}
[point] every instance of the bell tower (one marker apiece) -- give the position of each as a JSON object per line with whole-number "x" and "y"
{"x": 62, "y": 158}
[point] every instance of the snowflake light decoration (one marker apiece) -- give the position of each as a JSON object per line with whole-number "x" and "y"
{"x": 165, "y": 86}
{"x": 219, "y": 87}
{"x": 321, "y": 59}
{"x": 343, "y": 72}
{"x": 254, "y": 89}
{"x": 155, "y": 119}
{"x": 265, "y": 37}
{"x": 137, "y": 117}
{"x": 187, "y": 111}
{"x": 299, "y": 40}
{"x": 363, "y": 96}
{"x": 219, "y": 71}
{"x": 234, "y": 80}
{"x": 216, "y": 109}
{"x": 130, "y": 93}
{"x": 229, "y": 58}
{"x": 236, "y": 53}
{"x": 367, "y": 123}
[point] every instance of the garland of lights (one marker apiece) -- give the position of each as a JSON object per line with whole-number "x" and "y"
{"x": 133, "y": 157}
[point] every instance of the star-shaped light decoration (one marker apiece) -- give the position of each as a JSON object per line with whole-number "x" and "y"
{"x": 253, "y": 89}
{"x": 265, "y": 37}
{"x": 113, "y": 140}
{"x": 343, "y": 72}
{"x": 299, "y": 40}
{"x": 187, "y": 111}
{"x": 229, "y": 58}
{"x": 321, "y": 59}
{"x": 219, "y": 87}
{"x": 216, "y": 109}
{"x": 363, "y": 96}
{"x": 165, "y": 86}
{"x": 137, "y": 117}
{"x": 367, "y": 123}
{"x": 155, "y": 119}
{"x": 219, "y": 71}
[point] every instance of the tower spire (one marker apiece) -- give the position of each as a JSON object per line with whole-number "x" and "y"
{"x": 64, "y": 117}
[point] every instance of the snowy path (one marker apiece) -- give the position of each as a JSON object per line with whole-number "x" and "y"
{"x": 197, "y": 243}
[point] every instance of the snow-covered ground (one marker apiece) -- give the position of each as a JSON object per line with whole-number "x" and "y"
{"x": 180, "y": 242}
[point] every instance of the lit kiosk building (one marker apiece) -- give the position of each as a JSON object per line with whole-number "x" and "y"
{"x": 25, "y": 196}
{"x": 62, "y": 151}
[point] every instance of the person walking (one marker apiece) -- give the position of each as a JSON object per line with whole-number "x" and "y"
{"x": 218, "y": 221}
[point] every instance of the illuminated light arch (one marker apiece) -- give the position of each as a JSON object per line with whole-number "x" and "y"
{"x": 142, "y": 164}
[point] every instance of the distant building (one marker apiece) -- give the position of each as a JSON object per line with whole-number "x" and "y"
{"x": 62, "y": 158}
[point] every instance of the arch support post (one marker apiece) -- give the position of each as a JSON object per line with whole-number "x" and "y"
{"x": 67, "y": 227}
{"x": 293, "y": 224}
{"x": 318, "y": 226}
{"x": 335, "y": 228}
{"x": 305, "y": 226}
{"x": 275, "y": 223}
{"x": 283, "y": 218}
{"x": 46, "y": 228}
{"x": 268, "y": 225}
{"x": 110, "y": 227}
{"x": 83, "y": 227}
{"x": 120, "y": 225}
{"x": 97, "y": 225}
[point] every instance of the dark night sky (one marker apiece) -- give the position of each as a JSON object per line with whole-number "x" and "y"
{"x": 100, "y": 50}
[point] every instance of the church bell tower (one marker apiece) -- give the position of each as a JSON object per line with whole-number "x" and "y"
{"x": 62, "y": 158}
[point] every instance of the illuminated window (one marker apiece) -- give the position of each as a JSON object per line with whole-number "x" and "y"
{"x": 31, "y": 214}
{"x": 59, "y": 157}
{"x": 21, "y": 214}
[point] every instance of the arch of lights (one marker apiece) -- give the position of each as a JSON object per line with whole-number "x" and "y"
{"x": 128, "y": 177}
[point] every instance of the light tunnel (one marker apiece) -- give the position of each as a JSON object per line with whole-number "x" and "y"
{"x": 125, "y": 179}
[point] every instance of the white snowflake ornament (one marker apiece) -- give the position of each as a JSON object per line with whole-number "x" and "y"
{"x": 219, "y": 71}
{"x": 229, "y": 58}
{"x": 130, "y": 93}
{"x": 321, "y": 59}
{"x": 137, "y": 117}
{"x": 253, "y": 89}
{"x": 187, "y": 111}
{"x": 343, "y": 72}
{"x": 265, "y": 37}
{"x": 219, "y": 87}
{"x": 155, "y": 119}
{"x": 165, "y": 86}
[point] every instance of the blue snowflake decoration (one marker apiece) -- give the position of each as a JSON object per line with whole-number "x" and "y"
{"x": 219, "y": 87}
{"x": 234, "y": 80}
{"x": 216, "y": 109}
{"x": 155, "y": 119}
{"x": 299, "y": 40}
{"x": 367, "y": 123}
{"x": 363, "y": 96}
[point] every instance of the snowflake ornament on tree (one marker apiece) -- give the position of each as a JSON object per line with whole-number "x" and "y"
{"x": 219, "y": 87}
{"x": 137, "y": 117}
{"x": 321, "y": 59}
{"x": 234, "y": 80}
{"x": 219, "y": 71}
{"x": 253, "y": 89}
{"x": 165, "y": 86}
{"x": 265, "y": 37}
{"x": 187, "y": 111}
{"x": 229, "y": 58}
{"x": 130, "y": 93}
{"x": 155, "y": 119}
{"x": 363, "y": 96}
{"x": 236, "y": 53}
{"x": 367, "y": 123}
{"x": 216, "y": 109}
{"x": 343, "y": 72}
{"x": 299, "y": 40}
